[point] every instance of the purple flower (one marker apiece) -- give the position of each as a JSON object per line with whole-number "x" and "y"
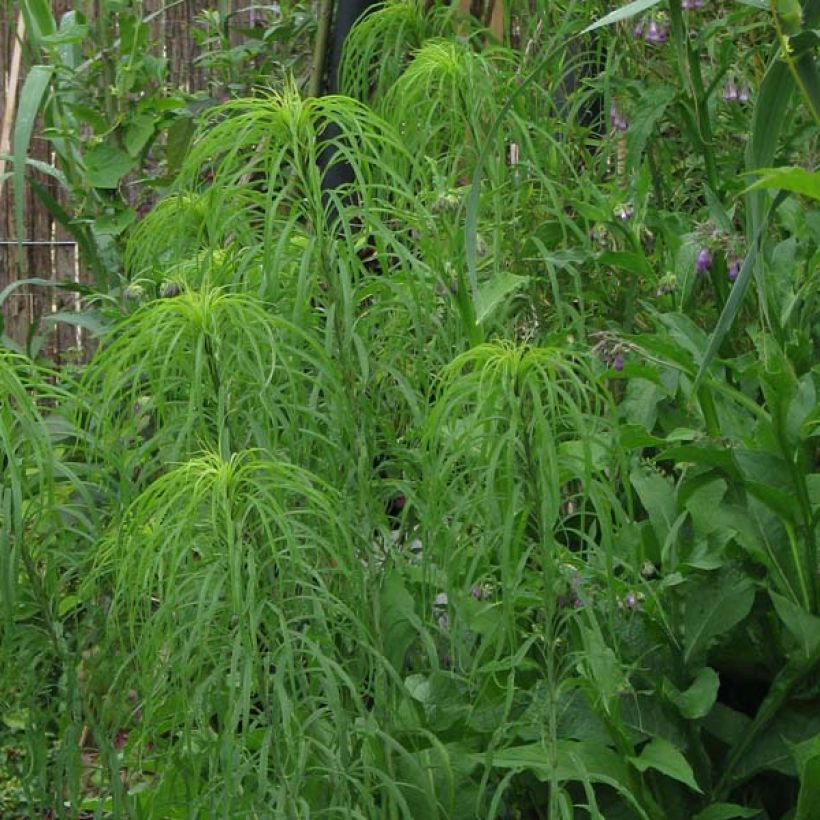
{"x": 656, "y": 33}
{"x": 743, "y": 95}
{"x": 730, "y": 92}
{"x": 619, "y": 122}
{"x": 691, "y": 5}
{"x": 734, "y": 269}
{"x": 625, "y": 212}
{"x": 631, "y": 602}
{"x": 704, "y": 261}
{"x": 618, "y": 363}
{"x": 477, "y": 592}
{"x": 637, "y": 30}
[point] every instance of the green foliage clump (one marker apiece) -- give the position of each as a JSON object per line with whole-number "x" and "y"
{"x": 480, "y": 482}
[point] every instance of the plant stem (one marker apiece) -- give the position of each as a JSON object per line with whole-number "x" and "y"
{"x": 700, "y": 98}
{"x": 320, "y": 48}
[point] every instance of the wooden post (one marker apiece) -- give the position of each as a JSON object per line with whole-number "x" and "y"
{"x": 11, "y": 94}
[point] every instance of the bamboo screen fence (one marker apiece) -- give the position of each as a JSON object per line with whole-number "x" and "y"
{"x": 49, "y": 251}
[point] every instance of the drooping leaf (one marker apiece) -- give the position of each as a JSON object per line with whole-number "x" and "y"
{"x": 697, "y": 701}
{"x": 803, "y": 626}
{"x": 661, "y": 755}
{"x": 623, "y": 13}
{"x": 788, "y": 178}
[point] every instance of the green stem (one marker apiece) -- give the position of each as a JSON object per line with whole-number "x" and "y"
{"x": 707, "y": 406}
{"x": 320, "y": 48}
{"x": 700, "y": 98}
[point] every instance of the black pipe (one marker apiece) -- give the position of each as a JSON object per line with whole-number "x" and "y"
{"x": 346, "y": 14}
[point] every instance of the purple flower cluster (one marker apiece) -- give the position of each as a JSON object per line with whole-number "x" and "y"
{"x": 625, "y": 212}
{"x": 704, "y": 261}
{"x": 619, "y": 122}
{"x": 733, "y": 93}
{"x": 656, "y": 32}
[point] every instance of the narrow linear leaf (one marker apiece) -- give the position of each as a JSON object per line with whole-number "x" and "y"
{"x": 623, "y": 13}
{"x": 732, "y": 306}
{"x": 726, "y": 811}
{"x": 31, "y": 97}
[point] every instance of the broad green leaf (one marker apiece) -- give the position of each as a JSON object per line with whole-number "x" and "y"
{"x": 398, "y": 619}
{"x": 16, "y": 719}
{"x": 771, "y": 749}
{"x": 31, "y": 97}
{"x": 573, "y": 761}
{"x": 67, "y": 35}
{"x": 493, "y": 292}
{"x": 803, "y": 626}
{"x": 39, "y": 20}
{"x": 794, "y": 179}
{"x": 179, "y": 139}
{"x": 67, "y": 604}
{"x": 661, "y": 755}
{"x": 644, "y": 117}
{"x": 726, "y": 724}
{"x": 697, "y": 701}
{"x": 114, "y": 224}
{"x": 106, "y": 165}
{"x": 807, "y": 800}
{"x": 807, "y": 757}
{"x": 714, "y": 604}
{"x": 658, "y": 498}
{"x": 726, "y": 811}
{"x": 138, "y": 132}
{"x": 91, "y": 322}
{"x": 623, "y": 13}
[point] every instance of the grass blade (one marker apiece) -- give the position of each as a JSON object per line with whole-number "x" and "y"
{"x": 623, "y": 13}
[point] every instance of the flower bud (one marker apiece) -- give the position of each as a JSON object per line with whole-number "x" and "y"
{"x": 656, "y": 33}
{"x": 704, "y": 261}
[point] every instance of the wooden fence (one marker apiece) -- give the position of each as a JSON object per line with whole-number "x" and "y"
{"x": 48, "y": 249}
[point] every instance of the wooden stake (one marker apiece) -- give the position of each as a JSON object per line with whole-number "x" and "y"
{"x": 11, "y": 94}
